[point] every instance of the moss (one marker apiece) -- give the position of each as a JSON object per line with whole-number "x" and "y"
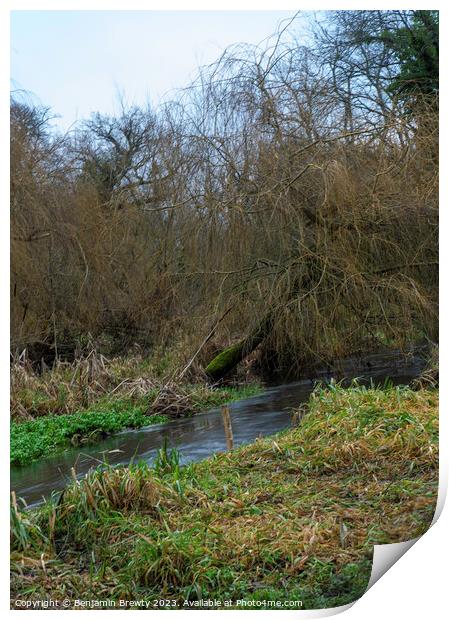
{"x": 225, "y": 361}
{"x": 228, "y": 359}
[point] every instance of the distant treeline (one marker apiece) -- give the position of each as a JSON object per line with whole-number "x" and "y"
{"x": 293, "y": 182}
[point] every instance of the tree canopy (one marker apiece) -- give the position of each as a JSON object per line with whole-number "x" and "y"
{"x": 416, "y": 46}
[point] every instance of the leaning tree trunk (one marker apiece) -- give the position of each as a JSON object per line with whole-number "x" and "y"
{"x": 228, "y": 359}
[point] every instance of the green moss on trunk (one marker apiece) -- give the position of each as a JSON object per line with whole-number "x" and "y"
{"x": 225, "y": 361}
{"x": 228, "y": 359}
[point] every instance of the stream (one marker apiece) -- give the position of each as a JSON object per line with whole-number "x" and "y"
{"x": 203, "y": 434}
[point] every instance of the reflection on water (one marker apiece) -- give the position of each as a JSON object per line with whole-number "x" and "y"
{"x": 201, "y": 435}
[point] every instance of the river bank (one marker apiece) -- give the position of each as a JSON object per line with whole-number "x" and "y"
{"x": 289, "y": 517}
{"x": 52, "y": 434}
{"x": 80, "y": 403}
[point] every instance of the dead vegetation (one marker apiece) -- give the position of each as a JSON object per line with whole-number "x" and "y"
{"x": 96, "y": 382}
{"x": 286, "y": 185}
{"x": 70, "y": 387}
{"x": 430, "y": 376}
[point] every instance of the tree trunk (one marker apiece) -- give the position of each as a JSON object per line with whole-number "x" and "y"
{"x": 228, "y": 359}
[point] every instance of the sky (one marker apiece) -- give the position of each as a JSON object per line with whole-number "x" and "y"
{"x": 78, "y": 62}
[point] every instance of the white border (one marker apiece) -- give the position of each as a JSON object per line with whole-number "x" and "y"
{"x": 416, "y": 585}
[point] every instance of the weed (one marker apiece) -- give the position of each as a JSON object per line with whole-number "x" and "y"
{"x": 167, "y": 460}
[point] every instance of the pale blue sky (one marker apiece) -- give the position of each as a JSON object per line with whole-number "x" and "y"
{"x": 77, "y": 61}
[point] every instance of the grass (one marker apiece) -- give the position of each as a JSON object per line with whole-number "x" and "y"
{"x": 52, "y": 433}
{"x": 293, "y": 517}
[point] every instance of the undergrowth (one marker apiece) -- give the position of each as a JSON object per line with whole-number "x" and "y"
{"x": 290, "y": 517}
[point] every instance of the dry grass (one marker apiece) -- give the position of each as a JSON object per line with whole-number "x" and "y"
{"x": 68, "y": 387}
{"x": 430, "y": 375}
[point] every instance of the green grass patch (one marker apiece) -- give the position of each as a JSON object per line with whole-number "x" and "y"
{"x": 290, "y": 517}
